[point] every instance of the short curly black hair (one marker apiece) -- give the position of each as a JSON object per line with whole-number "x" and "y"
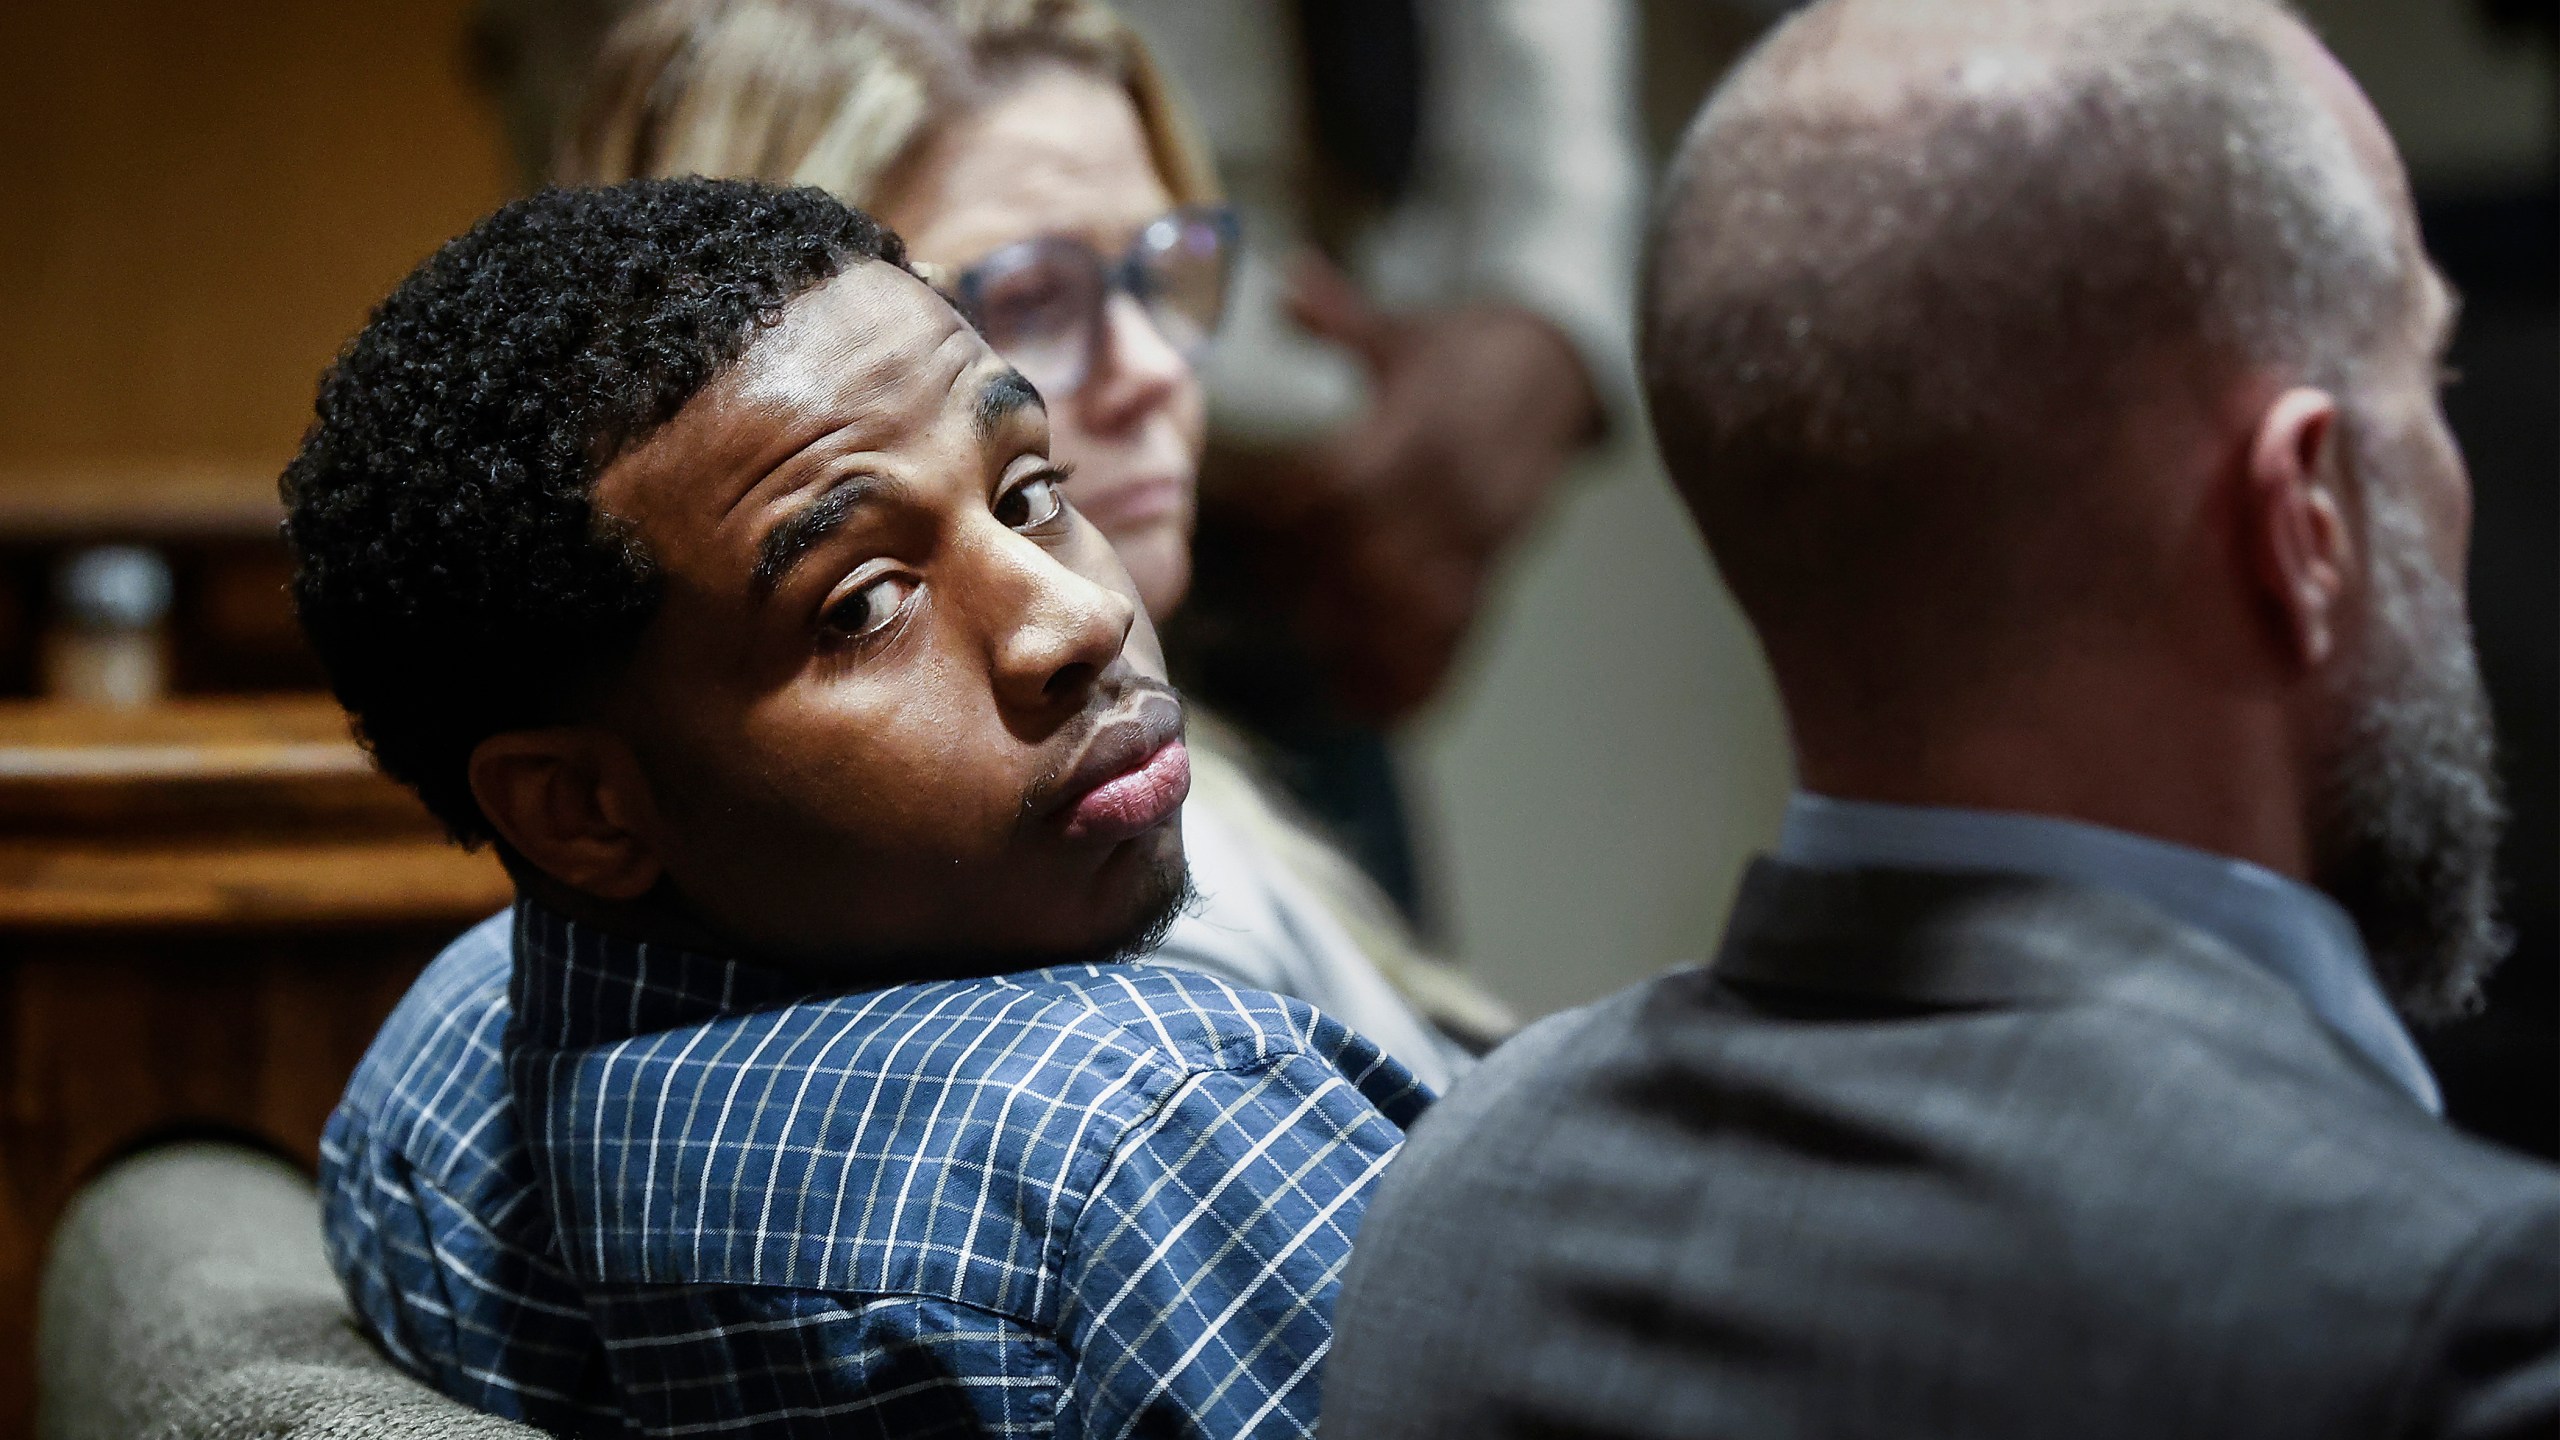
{"x": 450, "y": 567}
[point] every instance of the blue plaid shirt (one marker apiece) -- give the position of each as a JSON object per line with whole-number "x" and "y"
{"x": 683, "y": 1195}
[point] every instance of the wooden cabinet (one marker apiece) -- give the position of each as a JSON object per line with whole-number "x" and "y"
{"x": 206, "y": 908}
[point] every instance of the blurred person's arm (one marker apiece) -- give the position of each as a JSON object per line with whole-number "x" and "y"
{"x": 1475, "y": 410}
{"x": 1501, "y": 340}
{"x": 1532, "y": 164}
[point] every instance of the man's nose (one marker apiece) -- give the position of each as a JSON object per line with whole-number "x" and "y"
{"x": 1052, "y": 631}
{"x": 1136, "y": 371}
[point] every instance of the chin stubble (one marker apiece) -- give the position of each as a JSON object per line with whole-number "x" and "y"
{"x": 1169, "y": 894}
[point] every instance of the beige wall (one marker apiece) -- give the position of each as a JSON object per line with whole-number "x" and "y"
{"x": 1611, "y": 758}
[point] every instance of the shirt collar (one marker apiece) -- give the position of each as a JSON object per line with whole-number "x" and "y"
{"x": 576, "y": 985}
{"x": 2286, "y": 928}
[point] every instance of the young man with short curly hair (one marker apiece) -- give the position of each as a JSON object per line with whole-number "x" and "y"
{"x": 679, "y": 541}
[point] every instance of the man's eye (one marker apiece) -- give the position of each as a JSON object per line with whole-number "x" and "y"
{"x": 868, "y": 611}
{"x": 1034, "y": 503}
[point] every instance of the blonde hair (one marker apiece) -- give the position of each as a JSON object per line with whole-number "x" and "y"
{"x": 841, "y": 93}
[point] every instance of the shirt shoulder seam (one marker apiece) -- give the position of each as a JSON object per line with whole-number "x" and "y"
{"x": 1143, "y": 1043}
{"x": 1123, "y": 1145}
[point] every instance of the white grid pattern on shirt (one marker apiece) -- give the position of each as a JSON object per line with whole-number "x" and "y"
{"x": 956, "y": 1207}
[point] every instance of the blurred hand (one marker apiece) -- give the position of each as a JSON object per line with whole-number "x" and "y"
{"x": 1476, "y": 410}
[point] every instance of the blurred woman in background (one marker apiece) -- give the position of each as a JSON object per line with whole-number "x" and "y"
{"x": 1046, "y": 180}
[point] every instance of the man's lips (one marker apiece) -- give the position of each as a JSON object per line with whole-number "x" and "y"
{"x": 1130, "y": 776}
{"x": 1132, "y": 804}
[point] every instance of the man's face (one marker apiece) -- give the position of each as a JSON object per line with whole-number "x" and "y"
{"x": 2411, "y": 819}
{"x": 2412, "y": 815}
{"x": 900, "y": 702}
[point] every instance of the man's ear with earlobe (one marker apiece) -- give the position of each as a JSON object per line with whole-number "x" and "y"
{"x": 2294, "y": 523}
{"x": 572, "y": 801}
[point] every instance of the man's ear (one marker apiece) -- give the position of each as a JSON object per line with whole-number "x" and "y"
{"x": 2294, "y": 524}
{"x": 573, "y": 802}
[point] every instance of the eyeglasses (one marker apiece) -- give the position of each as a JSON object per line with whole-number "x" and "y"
{"x": 1042, "y": 303}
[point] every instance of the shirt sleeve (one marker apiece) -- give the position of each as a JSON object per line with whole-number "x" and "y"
{"x": 1201, "y": 1275}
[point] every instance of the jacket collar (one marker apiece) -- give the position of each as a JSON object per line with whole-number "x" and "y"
{"x": 1957, "y": 940}
{"x": 2286, "y": 928}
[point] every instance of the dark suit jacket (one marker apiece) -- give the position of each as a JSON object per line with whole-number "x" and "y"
{"x": 1930, "y": 1155}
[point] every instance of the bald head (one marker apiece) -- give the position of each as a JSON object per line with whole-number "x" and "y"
{"x": 1934, "y": 280}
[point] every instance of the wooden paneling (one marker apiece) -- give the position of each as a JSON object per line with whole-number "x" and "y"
{"x": 156, "y": 503}
{"x": 107, "y": 1041}
{"x": 203, "y": 203}
{"x": 203, "y": 914}
{"x": 206, "y": 908}
{"x": 204, "y": 200}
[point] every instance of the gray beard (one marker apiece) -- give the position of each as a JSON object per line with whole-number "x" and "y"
{"x": 2413, "y": 813}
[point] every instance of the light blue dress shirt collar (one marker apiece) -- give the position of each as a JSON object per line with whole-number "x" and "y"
{"x": 2291, "y": 930}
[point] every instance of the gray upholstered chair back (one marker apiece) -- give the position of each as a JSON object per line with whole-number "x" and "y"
{"x": 186, "y": 1298}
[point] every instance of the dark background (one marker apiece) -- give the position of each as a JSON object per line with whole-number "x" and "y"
{"x": 2501, "y": 1069}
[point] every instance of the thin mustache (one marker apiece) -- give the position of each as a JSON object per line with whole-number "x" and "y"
{"x": 1123, "y": 699}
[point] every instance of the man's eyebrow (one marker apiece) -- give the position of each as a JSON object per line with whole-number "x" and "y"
{"x": 807, "y": 527}
{"x": 1004, "y": 396}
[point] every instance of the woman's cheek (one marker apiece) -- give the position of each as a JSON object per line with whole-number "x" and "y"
{"x": 1158, "y": 559}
